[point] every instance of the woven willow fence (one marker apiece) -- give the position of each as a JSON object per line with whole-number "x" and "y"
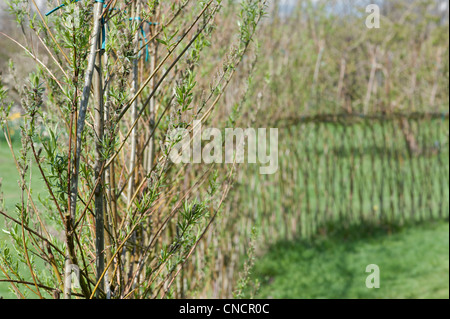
{"x": 353, "y": 169}
{"x": 335, "y": 172}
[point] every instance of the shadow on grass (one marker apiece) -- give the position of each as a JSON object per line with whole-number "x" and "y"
{"x": 345, "y": 233}
{"x": 333, "y": 263}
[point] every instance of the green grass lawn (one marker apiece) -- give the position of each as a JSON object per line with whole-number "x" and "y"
{"x": 11, "y": 194}
{"x": 10, "y": 177}
{"x": 413, "y": 263}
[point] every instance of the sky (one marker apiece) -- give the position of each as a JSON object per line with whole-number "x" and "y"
{"x": 286, "y": 6}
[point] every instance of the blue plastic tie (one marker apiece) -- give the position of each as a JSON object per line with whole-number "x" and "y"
{"x": 59, "y": 7}
{"x": 103, "y": 25}
{"x": 144, "y": 36}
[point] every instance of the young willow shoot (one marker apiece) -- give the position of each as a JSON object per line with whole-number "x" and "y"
{"x": 116, "y": 218}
